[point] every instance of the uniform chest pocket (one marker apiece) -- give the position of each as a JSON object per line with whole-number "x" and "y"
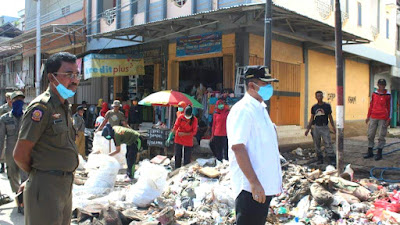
{"x": 58, "y": 127}
{"x": 11, "y": 129}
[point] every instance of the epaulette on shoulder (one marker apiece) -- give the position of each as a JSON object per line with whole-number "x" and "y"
{"x": 40, "y": 100}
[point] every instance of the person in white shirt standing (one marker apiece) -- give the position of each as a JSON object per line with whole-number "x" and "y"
{"x": 253, "y": 149}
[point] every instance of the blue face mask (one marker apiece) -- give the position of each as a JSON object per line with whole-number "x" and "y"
{"x": 180, "y": 109}
{"x": 63, "y": 91}
{"x": 17, "y": 108}
{"x": 266, "y": 92}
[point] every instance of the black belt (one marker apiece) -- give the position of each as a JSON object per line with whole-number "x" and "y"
{"x": 54, "y": 172}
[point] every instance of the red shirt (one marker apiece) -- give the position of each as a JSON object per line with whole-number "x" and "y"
{"x": 219, "y": 122}
{"x": 183, "y": 125}
{"x": 126, "y": 110}
{"x": 380, "y": 106}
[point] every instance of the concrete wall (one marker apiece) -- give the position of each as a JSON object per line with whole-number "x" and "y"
{"x": 356, "y": 90}
{"x": 321, "y": 77}
{"x": 281, "y": 51}
{"x": 319, "y": 10}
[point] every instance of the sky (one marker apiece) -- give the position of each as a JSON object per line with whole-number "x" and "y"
{"x": 11, "y": 7}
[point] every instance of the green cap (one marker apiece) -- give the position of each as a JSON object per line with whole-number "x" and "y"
{"x": 16, "y": 94}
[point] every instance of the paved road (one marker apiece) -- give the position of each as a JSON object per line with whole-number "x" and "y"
{"x": 8, "y": 213}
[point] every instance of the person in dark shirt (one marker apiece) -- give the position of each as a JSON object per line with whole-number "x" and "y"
{"x": 320, "y": 113}
{"x": 135, "y": 115}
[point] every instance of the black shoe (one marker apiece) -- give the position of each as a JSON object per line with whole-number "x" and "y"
{"x": 320, "y": 159}
{"x": 332, "y": 160}
{"x": 369, "y": 154}
{"x": 378, "y": 155}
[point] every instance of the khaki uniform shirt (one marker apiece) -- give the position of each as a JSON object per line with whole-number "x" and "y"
{"x": 9, "y": 128}
{"x": 79, "y": 123}
{"x": 5, "y": 108}
{"x": 48, "y": 123}
{"x": 124, "y": 135}
{"x": 115, "y": 118}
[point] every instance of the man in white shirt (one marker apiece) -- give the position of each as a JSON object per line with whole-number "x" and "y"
{"x": 253, "y": 150}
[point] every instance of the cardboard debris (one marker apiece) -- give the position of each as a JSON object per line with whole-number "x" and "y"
{"x": 159, "y": 159}
{"x": 209, "y": 172}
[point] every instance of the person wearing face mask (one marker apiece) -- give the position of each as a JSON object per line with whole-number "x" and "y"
{"x": 46, "y": 146}
{"x": 9, "y": 128}
{"x": 218, "y": 139}
{"x": 253, "y": 149}
{"x": 181, "y": 106}
{"x": 184, "y": 129}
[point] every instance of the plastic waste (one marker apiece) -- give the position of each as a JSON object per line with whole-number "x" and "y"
{"x": 385, "y": 204}
{"x": 103, "y": 174}
{"x": 102, "y": 145}
{"x": 152, "y": 180}
{"x": 82, "y": 163}
{"x": 206, "y": 162}
{"x": 302, "y": 207}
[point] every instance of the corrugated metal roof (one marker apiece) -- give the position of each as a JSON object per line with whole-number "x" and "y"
{"x": 134, "y": 30}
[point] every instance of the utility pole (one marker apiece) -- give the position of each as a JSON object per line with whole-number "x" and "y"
{"x": 339, "y": 78}
{"x": 268, "y": 39}
{"x": 38, "y": 46}
{"x": 268, "y": 33}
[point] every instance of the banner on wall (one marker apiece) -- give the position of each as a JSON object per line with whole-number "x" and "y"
{"x": 199, "y": 44}
{"x": 112, "y": 65}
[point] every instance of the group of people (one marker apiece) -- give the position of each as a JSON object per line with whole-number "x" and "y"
{"x": 378, "y": 120}
{"x": 45, "y": 147}
{"x": 186, "y": 128}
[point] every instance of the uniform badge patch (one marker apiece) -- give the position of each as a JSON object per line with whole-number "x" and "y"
{"x": 37, "y": 115}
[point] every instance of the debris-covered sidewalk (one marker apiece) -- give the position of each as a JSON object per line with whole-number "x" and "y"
{"x": 200, "y": 193}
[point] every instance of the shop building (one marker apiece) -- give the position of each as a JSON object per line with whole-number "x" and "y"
{"x": 206, "y": 41}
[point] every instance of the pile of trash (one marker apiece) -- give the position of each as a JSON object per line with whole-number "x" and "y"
{"x": 200, "y": 193}
{"x": 316, "y": 197}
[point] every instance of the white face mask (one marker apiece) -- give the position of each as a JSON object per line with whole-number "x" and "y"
{"x": 188, "y": 117}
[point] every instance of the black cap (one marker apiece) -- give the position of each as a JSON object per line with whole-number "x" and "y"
{"x": 382, "y": 81}
{"x": 259, "y": 72}
{"x": 81, "y": 107}
{"x": 108, "y": 132}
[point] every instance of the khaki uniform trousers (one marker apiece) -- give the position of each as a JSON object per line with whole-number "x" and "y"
{"x": 48, "y": 199}
{"x": 15, "y": 175}
{"x": 80, "y": 143}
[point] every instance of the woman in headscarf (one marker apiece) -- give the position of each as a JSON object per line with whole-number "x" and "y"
{"x": 104, "y": 109}
{"x": 98, "y": 106}
{"x": 219, "y": 140}
{"x": 184, "y": 129}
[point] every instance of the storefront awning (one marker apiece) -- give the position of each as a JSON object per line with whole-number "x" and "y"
{"x": 285, "y": 22}
{"x": 53, "y": 29}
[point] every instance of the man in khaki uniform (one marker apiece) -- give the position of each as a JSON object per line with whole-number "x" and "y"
{"x": 9, "y": 129}
{"x": 6, "y": 107}
{"x": 46, "y": 146}
{"x": 3, "y": 110}
{"x": 79, "y": 126}
{"x": 114, "y": 117}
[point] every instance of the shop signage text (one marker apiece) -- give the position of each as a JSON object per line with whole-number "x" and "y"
{"x": 111, "y": 65}
{"x": 199, "y": 44}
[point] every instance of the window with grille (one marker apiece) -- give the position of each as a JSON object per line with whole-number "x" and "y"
{"x": 387, "y": 28}
{"x": 65, "y": 10}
